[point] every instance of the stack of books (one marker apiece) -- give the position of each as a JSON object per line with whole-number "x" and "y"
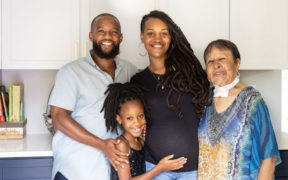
{"x": 12, "y": 123}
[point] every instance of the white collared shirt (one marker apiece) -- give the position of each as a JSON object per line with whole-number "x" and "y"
{"x": 79, "y": 87}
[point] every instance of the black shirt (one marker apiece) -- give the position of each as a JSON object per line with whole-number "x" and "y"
{"x": 136, "y": 161}
{"x": 166, "y": 134}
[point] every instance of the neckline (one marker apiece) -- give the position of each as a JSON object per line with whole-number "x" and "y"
{"x": 158, "y": 78}
{"x": 217, "y": 122}
{"x": 155, "y": 73}
{"x": 232, "y": 104}
{"x": 127, "y": 142}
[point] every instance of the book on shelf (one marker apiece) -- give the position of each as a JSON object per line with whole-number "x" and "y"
{"x": 2, "y": 117}
{"x": 16, "y": 91}
{"x": 15, "y": 106}
{"x": 10, "y": 104}
{"x": 4, "y": 106}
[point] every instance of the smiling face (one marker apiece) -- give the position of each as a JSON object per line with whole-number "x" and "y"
{"x": 156, "y": 38}
{"x": 132, "y": 118}
{"x": 106, "y": 37}
{"x": 220, "y": 67}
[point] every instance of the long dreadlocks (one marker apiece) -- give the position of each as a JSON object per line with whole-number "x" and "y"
{"x": 184, "y": 72}
{"x": 119, "y": 94}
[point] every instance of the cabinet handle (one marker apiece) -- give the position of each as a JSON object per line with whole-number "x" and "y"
{"x": 75, "y": 50}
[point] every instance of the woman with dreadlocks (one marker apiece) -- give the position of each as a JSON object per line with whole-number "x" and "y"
{"x": 125, "y": 105}
{"x": 177, "y": 90}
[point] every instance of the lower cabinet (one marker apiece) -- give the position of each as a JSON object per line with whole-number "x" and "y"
{"x": 282, "y": 169}
{"x": 28, "y": 168}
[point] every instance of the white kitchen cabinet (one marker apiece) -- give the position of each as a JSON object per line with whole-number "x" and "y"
{"x": 39, "y": 34}
{"x": 260, "y": 30}
{"x": 202, "y": 21}
{"x": 129, "y": 13}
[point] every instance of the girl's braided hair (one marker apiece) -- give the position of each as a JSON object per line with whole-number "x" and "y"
{"x": 117, "y": 95}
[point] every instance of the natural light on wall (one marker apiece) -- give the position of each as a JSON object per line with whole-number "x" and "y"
{"x": 284, "y": 123}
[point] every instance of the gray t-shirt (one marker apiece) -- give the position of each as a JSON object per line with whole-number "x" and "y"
{"x": 79, "y": 87}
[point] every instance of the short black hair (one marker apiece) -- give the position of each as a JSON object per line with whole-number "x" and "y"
{"x": 223, "y": 44}
{"x": 102, "y": 15}
{"x": 117, "y": 95}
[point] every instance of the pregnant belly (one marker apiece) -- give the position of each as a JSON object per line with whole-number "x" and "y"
{"x": 166, "y": 140}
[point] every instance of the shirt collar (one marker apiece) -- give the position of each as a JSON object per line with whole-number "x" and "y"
{"x": 118, "y": 62}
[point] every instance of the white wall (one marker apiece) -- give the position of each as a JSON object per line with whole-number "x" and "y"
{"x": 268, "y": 82}
{"x": 37, "y": 86}
{"x": 0, "y": 76}
{"x": 284, "y": 124}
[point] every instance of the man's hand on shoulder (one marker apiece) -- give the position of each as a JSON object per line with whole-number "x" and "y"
{"x": 115, "y": 156}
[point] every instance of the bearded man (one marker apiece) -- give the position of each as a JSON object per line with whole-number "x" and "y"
{"x": 82, "y": 144}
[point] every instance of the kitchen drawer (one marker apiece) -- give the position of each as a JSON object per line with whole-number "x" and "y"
{"x": 39, "y": 168}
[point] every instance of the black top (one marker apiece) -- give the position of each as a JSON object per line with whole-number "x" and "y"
{"x": 136, "y": 161}
{"x": 166, "y": 134}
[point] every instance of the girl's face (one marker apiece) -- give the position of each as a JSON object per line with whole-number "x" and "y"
{"x": 132, "y": 118}
{"x": 156, "y": 38}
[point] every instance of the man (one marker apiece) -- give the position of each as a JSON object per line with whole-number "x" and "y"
{"x": 82, "y": 143}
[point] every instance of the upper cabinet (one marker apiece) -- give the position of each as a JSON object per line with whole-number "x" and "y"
{"x": 41, "y": 34}
{"x": 129, "y": 13}
{"x": 202, "y": 21}
{"x": 46, "y": 34}
{"x": 260, "y": 30}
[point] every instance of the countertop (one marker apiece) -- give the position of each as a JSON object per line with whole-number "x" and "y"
{"x": 35, "y": 145}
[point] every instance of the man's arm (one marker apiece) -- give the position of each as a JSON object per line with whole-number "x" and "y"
{"x": 63, "y": 122}
{"x": 267, "y": 169}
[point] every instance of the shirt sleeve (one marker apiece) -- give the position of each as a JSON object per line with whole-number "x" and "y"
{"x": 264, "y": 144}
{"x": 64, "y": 92}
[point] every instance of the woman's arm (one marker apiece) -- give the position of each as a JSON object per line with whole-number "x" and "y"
{"x": 165, "y": 164}
{"x": 267, "y": 169}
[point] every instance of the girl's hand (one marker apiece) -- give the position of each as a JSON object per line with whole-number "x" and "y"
{"x": 143, "y": 134}
{"x": 167, "y": 163}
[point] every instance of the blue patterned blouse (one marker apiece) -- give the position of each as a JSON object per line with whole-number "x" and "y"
{"x": 233, "y": 143}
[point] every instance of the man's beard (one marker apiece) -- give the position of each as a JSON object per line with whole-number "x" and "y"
{"x": 98, "y": 51}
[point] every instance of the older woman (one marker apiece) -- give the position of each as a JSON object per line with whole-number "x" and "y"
{"x": 236, "y": 137}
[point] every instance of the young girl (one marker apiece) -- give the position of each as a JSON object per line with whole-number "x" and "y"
{"x": 125, "y": 105}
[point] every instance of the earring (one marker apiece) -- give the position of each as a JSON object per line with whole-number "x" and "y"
{"x": 238, "y": 74}
{"x": 142, "y": 51}
{"x": 172, "y": 45}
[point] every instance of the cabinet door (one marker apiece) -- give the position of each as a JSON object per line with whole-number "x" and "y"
{"x": 260, "y": 30}
{"x": 39, "y": 34}
{"x": 202, "y": 21}
{"x": 129, "y": 13}
{"x": 26, "y": 168}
